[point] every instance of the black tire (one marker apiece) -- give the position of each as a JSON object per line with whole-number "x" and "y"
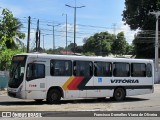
{"x": 101, "y": 98}
{"x": 112, "y": 98}
{"x": 119, "y": 94}
{"x": 38, "y": 100}
{"x": 53, "y": 96}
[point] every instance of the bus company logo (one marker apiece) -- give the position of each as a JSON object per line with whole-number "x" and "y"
{"x": 30, "y": 85}
{"x": 72, "y": 83}
{"x": 76, "y": 83}
{"x": 124, "y": 81}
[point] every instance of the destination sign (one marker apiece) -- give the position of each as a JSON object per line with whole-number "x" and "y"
{"x": 19, "y": 58}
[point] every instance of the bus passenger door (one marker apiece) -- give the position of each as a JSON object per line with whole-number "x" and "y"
{"x": 35, "y": 81}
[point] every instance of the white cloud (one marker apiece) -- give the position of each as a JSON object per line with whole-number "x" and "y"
{"x": 121, "y": 27}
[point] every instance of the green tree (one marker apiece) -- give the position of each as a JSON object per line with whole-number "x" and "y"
{"x": 144, "y": 43}
{"x": 89, "y": 54}
{"x": 50, "y": 51}
{"x": 136, "y": 14}
{"x": 79, "y": 49}
{"x": 130, "y": 50}
{"x": 71, "y": 47}
{"x": 119, "y": 45}
{"x": 6, "y": 57}
{"x": 99, "y": 43}
{"x": 9, "y": 30}
{"x": 55, "y": 51}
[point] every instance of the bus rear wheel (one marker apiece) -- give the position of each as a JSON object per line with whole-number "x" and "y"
{"x": 119, "y": 94}
{"x": 53, "y": 96}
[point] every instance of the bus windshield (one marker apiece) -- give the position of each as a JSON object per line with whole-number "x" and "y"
{"x": 17, "y": 71}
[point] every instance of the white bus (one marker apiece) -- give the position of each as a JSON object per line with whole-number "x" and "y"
{"x": 53, "y": 77}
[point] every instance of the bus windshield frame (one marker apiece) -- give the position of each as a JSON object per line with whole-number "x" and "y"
{"x": 17, "y": 71}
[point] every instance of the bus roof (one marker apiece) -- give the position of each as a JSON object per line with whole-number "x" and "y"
{"x": 86, "y": 58}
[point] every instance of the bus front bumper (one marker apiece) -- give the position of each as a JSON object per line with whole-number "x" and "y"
{"x": 13, "y": 92}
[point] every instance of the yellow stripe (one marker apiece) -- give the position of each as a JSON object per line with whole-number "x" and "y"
{"x": 67, "y": 83}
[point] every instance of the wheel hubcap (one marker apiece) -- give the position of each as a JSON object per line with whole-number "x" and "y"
{"x": 54, "y": 96}
{"x": 119, "y": 94}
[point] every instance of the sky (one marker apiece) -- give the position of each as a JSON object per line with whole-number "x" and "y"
{"x": 96, "y": 16}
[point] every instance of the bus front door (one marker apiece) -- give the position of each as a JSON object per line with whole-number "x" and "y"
{"x": 35, "y": 81}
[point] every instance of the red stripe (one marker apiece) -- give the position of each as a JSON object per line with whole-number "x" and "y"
{"x": 78, "y": 82}
{"x": 75, "y": 82}
{"x": 71, "y": 85}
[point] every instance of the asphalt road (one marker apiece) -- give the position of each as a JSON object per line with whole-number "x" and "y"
{"x": 149, "y": 102}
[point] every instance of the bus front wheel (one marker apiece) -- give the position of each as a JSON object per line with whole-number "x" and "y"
{"x": 53, "y": 96}
{"x": 119, "y": 94}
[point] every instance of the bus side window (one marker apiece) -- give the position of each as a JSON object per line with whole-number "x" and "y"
{"x": 74, "y": 68}
{"x": 35, "y": 71}
{"x": 138, "y": 70}
{"x": 90, "y": 69}
{"x": 121, "y": 69}
{"x": 149, "y": 70}
{"x": 102, "y": 69}
{"x": 82, "y": 68}
{"x": 60, "y": 68}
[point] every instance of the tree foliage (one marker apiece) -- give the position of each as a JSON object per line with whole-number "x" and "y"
{"x": 6, "y": 57}
{"x": 9, "y": 31}
{"x": 144, "y": 44}
{"x": 105, "y": 43}
{"x": 136, "y": 14}
{"x": 99, "y": 43}
{"x": 119, "y": 45}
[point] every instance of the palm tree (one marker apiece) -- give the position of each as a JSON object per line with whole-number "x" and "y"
{"x": 10, "y": 30}
{"x": 18, "y": 35}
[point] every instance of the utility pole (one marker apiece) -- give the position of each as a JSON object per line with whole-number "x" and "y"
{"x": 75, "y": 7}
{"x": 43, "y": 42}
{"x": 66, "y": 33}
{"x": 114, "y": 28}
{"x": 53, "y": 39}
{"x": 157, "y": 14}
{"x": 53, "y": 34}
{"x": 44, "y": 39}
{"x": 36, "y": 41}
{"x": 38, "y": 34}
{"x": 28, "y": 39}
{"x": 39, "y": 40}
